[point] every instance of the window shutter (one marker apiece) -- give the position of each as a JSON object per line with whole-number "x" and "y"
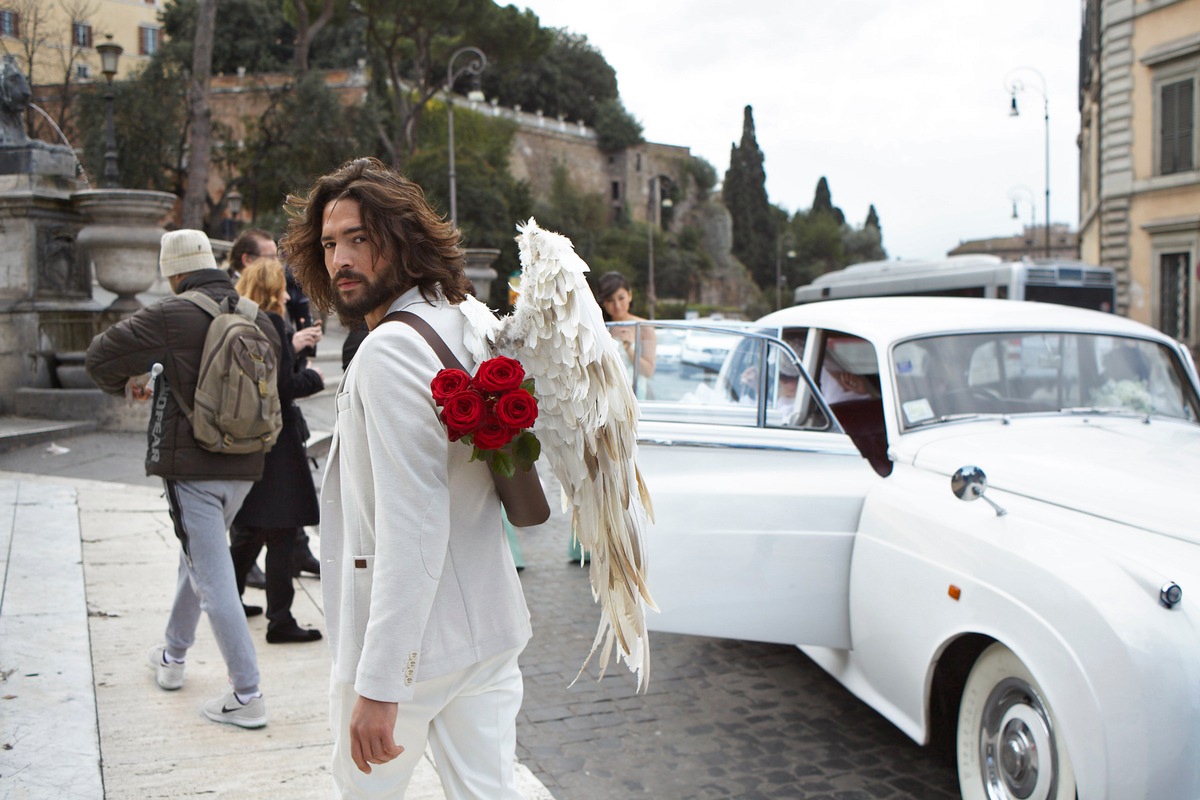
{"x": 142, "y": 42}
{"x": 1186, "y": 125}
{"x": 1169, "y": 100}
{"x": 1177, "y": 120}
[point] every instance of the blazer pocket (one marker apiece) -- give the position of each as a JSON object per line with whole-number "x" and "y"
{"x": 362, "y": 577}
{"x": 343, "y": 401}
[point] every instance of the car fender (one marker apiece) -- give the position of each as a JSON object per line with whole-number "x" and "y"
{"x": 1072, "y": 614}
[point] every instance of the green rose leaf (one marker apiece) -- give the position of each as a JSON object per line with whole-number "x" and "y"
{"x": 502, "y": 463}
{"x": 526, "y": 449}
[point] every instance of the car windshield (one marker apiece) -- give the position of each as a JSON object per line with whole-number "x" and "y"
{"x": 943, "y": 378}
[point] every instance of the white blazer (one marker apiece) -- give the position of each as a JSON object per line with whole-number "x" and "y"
{"x": 418, "y": 579}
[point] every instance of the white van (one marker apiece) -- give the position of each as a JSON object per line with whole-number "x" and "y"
{"x": 1070, "y": 283}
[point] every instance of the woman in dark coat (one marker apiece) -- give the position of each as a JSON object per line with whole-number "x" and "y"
{"x": 285, "y": 499}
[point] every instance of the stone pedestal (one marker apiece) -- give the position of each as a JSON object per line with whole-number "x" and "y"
{"x": 46, "y": 301}
{"x": 479, "y": 270}
{"x": 122, "y": 239}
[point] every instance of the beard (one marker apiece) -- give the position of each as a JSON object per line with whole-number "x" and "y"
{"x": 372, "y": 292}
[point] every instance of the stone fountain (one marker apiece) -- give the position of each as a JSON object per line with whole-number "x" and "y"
{"x": 56, "y": 234}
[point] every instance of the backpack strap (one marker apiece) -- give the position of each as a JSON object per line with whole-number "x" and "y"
{"x": 209, "y": 305}
{"x": 245, "y": 306}
{"x": 202, "y": 300}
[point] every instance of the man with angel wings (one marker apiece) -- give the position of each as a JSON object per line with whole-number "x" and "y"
{"x": 422, "y": 601}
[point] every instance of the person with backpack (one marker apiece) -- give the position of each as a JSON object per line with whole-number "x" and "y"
{"x": 214, "y": 414}
{"x": 285, "y": 500}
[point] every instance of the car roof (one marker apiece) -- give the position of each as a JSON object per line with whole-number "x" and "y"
{"x": 888, "y": 319}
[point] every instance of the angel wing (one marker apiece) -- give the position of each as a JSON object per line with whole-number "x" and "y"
{"x": 587, "y": 425}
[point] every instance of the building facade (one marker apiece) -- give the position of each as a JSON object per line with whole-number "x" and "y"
{"x": 1063, "y": 244}
{"x": 1139, "y": 156}
{"x": 54, "y": 41}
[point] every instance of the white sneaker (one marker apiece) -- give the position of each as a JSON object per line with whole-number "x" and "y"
{"x": 231, "y": 711}
{"x": 167, "y": 674}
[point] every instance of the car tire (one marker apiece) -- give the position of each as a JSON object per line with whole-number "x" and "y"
{"x": 1008, "y": 743}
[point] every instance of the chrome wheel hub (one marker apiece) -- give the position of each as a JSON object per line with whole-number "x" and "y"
{"x": 1016, "y": 744}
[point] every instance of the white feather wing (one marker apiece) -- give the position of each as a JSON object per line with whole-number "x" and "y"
{"x": 587, "y": 425}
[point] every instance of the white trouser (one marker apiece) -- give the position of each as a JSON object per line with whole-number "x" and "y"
{"x": 468, "y": 719}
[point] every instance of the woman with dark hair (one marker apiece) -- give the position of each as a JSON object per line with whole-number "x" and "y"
{"x": 614, "y": 294}
{"x": 285, "y": 499}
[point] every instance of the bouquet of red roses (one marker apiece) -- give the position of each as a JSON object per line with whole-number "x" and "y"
{"x": 491, "y": 412}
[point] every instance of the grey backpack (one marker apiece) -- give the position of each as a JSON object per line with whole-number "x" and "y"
{"x": 237, "y": 408}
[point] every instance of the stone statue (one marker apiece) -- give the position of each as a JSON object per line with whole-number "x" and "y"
{"x": 14, "y": 98}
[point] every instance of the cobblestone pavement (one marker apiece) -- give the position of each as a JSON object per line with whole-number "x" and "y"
{"x": 721, "y": 719}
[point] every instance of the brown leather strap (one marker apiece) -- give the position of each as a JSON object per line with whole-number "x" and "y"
{"x": 429, "y": 334}
{"x": 522, "y": 495}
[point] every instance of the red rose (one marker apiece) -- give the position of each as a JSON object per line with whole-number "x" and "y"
{"x": 493, "y": 434}
{"x": 463, "y": 413}
{"x": 448, "y": 383}
{"x": 498, "y": 374}
{"x": 517, "y": 409}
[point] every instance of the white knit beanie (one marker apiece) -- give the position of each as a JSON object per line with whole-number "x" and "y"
{"x": 185, "y": 250}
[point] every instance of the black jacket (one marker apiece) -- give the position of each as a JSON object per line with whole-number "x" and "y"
{"x": 286, "y": 496}
{"x": 171, "y": 332}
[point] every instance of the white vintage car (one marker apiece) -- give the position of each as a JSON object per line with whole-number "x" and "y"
{"x": 1040, "y": 632}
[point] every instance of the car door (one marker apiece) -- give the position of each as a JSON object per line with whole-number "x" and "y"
{"x": 756, "y": 494}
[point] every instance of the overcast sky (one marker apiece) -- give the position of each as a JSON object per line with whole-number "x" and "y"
{"x": 900, "y": 103}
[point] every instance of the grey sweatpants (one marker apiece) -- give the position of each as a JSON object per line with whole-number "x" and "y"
{"x": 202, "y": 512}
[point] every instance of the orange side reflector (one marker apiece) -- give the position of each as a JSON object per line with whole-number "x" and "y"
{"x": 954, "y": 592}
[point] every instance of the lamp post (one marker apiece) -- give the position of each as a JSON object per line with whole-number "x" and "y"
{"x": 110, "y": 55}
{"x": 1015, "y": 85}
{"x": 655, "y": 203}
{"x": 233, "y": 203}
{"x": 1012, "y": 198}
{"x": 779, "y": 252}
{"x": 474, "y": 66}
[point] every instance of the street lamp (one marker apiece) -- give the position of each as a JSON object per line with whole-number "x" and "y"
{"x": 475, "y": 65}
{"x": 1012, "y": 198}
{"x": 1014, "y": 86}
{"x": 110, "y": 55}
{"x": 779, "y": 253}
{"x": 233, "y": 204}
{"x": 655, "y": 203}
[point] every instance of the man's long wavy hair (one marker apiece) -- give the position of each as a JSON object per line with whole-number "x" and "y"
{"x": 422, "y": 249}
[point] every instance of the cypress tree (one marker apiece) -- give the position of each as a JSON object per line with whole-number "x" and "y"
{"x": 823, "y": 202}
{"x": 745, "y": 195}
{"x": 873, "y": 220}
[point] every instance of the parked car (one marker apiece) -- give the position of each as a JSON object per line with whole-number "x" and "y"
{"x": 1040, "y": 634}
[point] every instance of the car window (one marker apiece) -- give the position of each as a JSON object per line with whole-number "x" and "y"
{"x": 727, "y": 377}
{"x": 943, "y": 378}
{"x": 850, "y": 384}
{"x": 849, "y": 368}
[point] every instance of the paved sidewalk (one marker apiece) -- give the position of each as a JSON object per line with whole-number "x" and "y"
{"x": 89, "y": 572}
{"x": 88, "y": 575}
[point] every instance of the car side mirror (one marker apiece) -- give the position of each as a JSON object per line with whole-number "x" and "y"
{"x": 970, "y": 483}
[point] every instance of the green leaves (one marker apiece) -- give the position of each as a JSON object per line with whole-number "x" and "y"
{"x": 526, "y": 449}
{"x": 501, "y": 463}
